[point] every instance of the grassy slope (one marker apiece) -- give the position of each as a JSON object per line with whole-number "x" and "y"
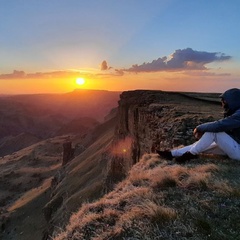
{"x": 25, "y": 183}
{"x": 84, "y": 177}
{"x": 25, "y": 179}
{"x": 164, "y": 200}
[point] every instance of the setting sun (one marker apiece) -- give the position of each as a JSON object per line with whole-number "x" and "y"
{"x": 80, "y": 81}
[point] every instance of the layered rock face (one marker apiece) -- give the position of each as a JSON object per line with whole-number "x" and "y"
{"x": 150, "y": 120}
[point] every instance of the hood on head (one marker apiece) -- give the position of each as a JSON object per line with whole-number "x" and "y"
{"x": 232, "y": 97}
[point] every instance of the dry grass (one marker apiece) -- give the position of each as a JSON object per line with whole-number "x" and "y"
{"x": 161, "y": 200}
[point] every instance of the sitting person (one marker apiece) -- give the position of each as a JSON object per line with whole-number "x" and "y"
{"x": 219, "y": 137}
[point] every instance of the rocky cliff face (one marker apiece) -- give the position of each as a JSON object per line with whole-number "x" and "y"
{"x": 146, "y": 120}
{"x": 150, "y": 120}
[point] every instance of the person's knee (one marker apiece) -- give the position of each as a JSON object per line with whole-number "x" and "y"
{"x": 215, "y": 135}
{"x": 209, "y": 135}
{"x": 221, "y": 135}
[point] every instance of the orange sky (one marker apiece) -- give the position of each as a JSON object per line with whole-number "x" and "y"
{"x": 119, "y": 45}
{"x": 60, "y": 82}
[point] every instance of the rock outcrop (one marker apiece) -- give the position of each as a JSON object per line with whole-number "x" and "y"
{"x": 68, "y": 152}
{"x": 150, "y": 120}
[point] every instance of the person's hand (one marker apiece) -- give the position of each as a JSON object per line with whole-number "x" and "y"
{"x": 197, "y": 134}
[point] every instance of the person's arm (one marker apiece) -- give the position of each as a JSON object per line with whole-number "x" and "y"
{"x": 221, "y": 125}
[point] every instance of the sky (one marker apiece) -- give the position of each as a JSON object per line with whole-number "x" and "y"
{"x": 119, "y": 45}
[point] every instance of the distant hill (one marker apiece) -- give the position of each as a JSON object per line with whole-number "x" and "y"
{"x": 79, "y": 103}
{"x": 81, "y": 126}
{"x": 48, "y": 115}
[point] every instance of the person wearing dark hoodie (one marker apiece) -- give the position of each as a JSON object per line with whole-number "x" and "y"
{"x": 219, "y": 137}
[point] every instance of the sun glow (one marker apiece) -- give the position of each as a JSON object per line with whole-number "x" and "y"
{"x": 80, "y": 81}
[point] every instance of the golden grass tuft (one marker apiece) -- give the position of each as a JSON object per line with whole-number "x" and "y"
{"x": 197, "y": 181}
{"x": 223, "y": 187}
{"x": 150, "y": 161}
{"x": 156, "y": 212}
{"x": 139, "y": 178}
{"x": 161, "y": 178}
{"x": 210, "y": 167}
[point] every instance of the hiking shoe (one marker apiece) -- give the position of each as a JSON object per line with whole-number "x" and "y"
{"x": 165, "y": 154}
{"x": 185, "y": 157}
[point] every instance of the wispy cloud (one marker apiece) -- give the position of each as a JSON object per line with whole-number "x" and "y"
{"x": 16, "y": 74}
{"x": 206, "y": 74}
{"x": 13, "y": 75}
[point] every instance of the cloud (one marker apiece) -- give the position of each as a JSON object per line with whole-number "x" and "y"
{"x": 185, "y": 59}
{"x": 119, "y": 72}
{"x": 115, "y": 72}
{"x": 13, "y": 75}
{"x": 206, "y": 74}
{"x": 104, "y": 65}
{"x": 22, "y": 75}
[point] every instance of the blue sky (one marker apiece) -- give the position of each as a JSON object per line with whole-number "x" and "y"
{"x": 61, "y": 35}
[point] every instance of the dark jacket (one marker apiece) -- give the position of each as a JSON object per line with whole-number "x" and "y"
{"x": 231, "y": 122}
